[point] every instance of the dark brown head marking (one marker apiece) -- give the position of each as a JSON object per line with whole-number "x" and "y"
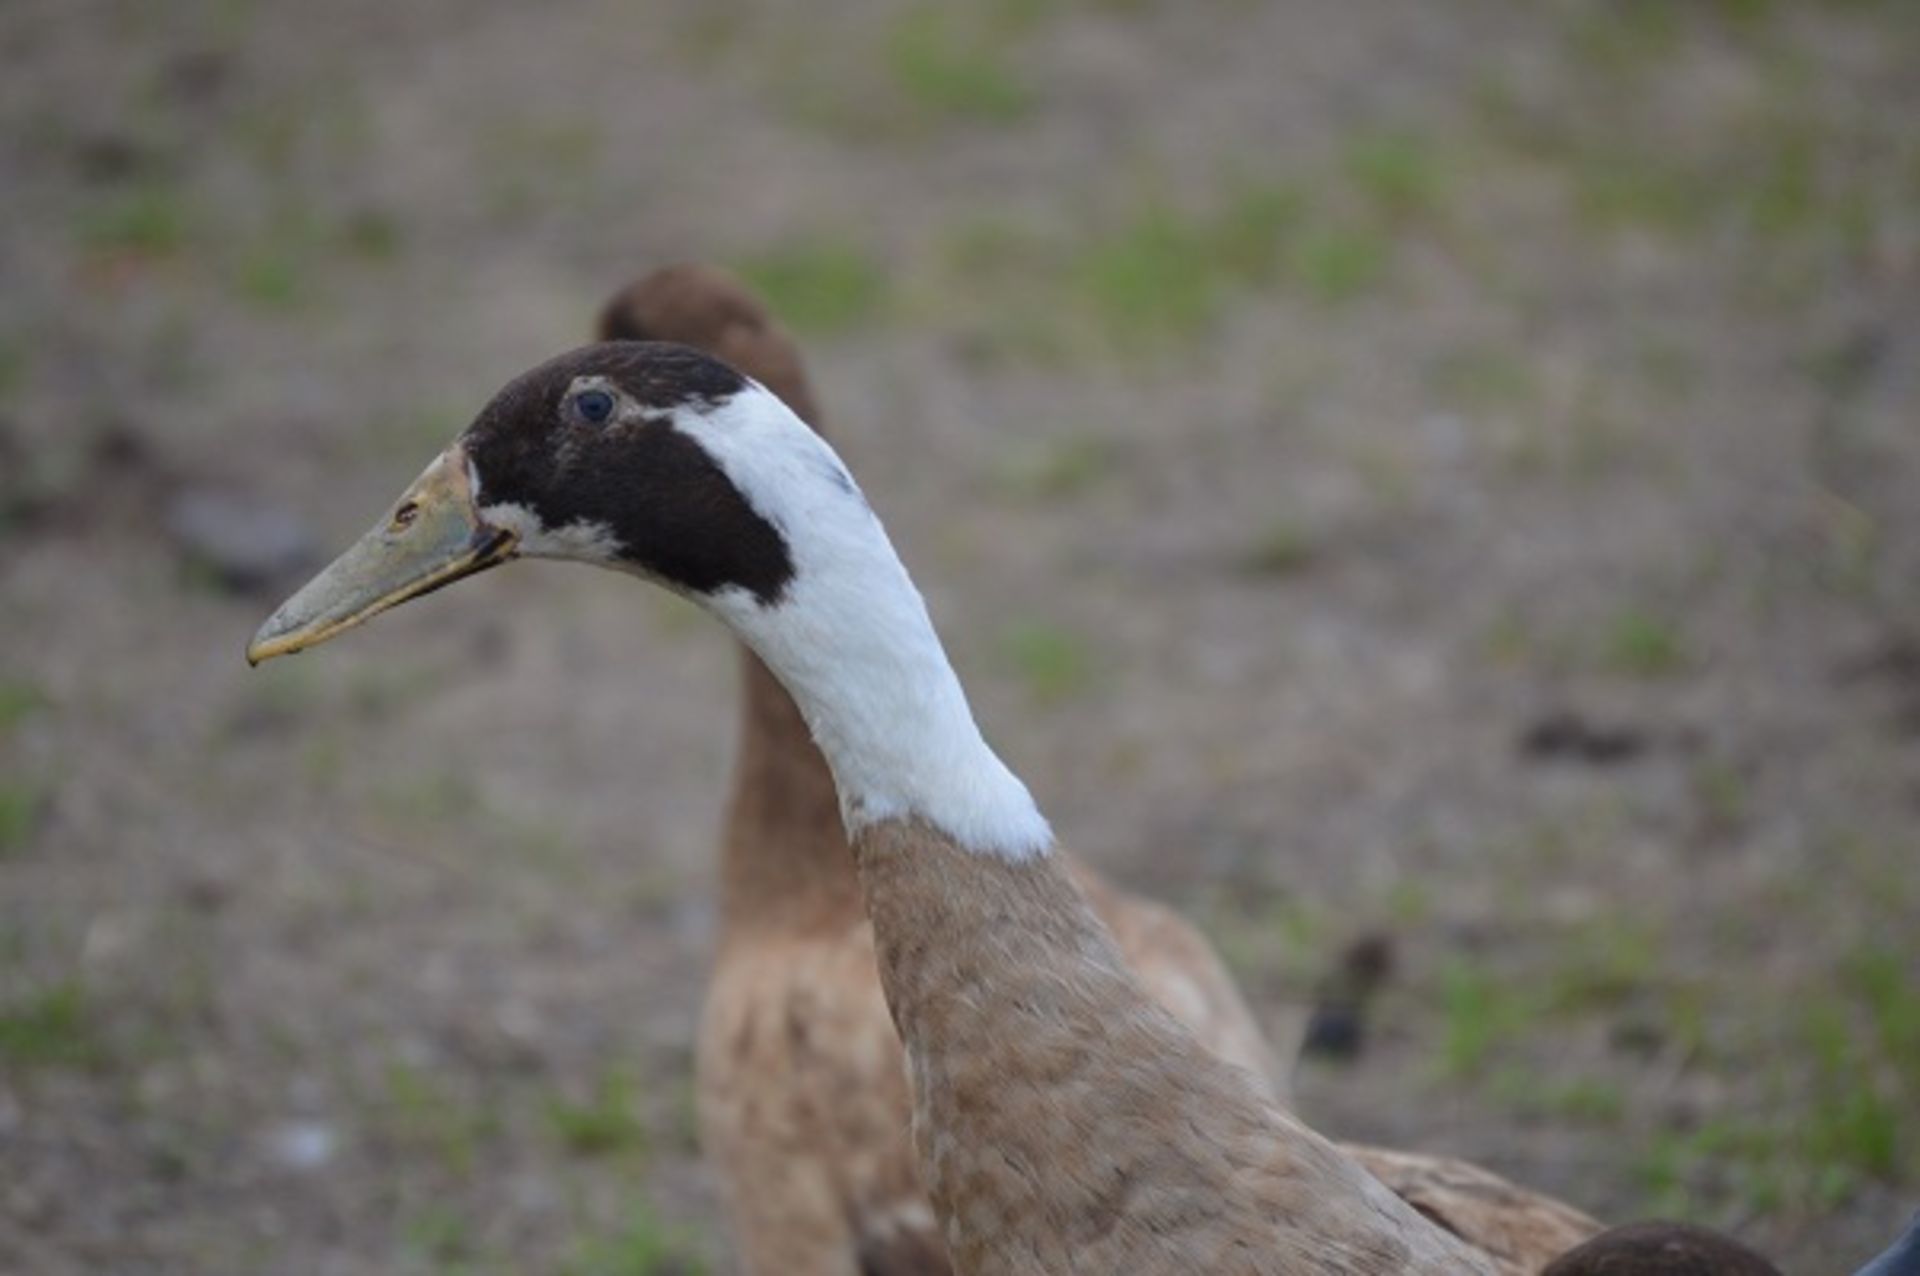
{"x": 668, "y": 506}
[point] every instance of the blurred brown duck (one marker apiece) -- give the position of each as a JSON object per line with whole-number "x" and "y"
{"x": 802, "y": 1094}
{"x": 799, "y": 1083}
{"x": 1063, "y": 1120}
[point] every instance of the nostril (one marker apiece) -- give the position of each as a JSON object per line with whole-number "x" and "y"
{"x": 404, "y": 516}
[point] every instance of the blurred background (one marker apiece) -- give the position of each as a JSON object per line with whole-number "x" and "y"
{"x": 1439, "y": 476}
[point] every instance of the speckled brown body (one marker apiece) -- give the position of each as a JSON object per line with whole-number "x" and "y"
{"x": 1517, "y": 1231}
{"x": 1064, "y": 1122}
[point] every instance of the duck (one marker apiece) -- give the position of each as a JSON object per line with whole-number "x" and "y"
{"x": 800, "y": 1090}
{"x": 1062, "y": 1119}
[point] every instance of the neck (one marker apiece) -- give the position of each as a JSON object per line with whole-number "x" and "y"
{"x": 852, "y": 642}
{"x": 784, "y": 853}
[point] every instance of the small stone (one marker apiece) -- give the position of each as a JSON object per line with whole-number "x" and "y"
{"x": 302, "y": 1145}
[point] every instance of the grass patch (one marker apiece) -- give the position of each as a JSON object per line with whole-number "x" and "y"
{"x": 1614, "y": 190}
{"x": 821, "y": 288}
{"x": 423, "y": 1112}
{"x": 1399, "y": 175}
{"x": 1157, "y": 275}
{"x": 644, "y": 1247}
{"x": 440, "y": 1235}
{"x": 51, "y": 1027}
{"x": 1605, "y": 965}
{"x": 1481, "y": 1014}
{"x": 1640, "y": 644}
{"x": 270, "y": 277}
{"x": 1053, "y": 663}
{"x": 22, "y": 803}
{"x": 1584, "y": 1100}
{"x": 19, "y": 700}
{"x": 1337, "y": 263}
{"x": 1283, "y": 548}
{"x": 149, "y": 221}
{"x": 1484, "y": 377}
{"x": 13, "y": 365}
{"x": 1056, "y": 468}
{"x": 950, "y": 70}
{"x": 437, "y": 798}
{"x": 1842, "y": 1106}
{"x": 1166, "y": 273}
{"x": 605, "y": 1124}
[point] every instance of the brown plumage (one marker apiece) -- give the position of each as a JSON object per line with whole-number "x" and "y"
{"x": 803, "y": 1103}
{"x": 1516, "y": 1230}
{"x": 1661, "y": 1249}
{"x": 1065, "y": 1122}
{"x": 802, "y": 1097}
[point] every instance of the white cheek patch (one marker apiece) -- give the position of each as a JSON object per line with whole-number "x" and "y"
{"x": 584, "y": 541}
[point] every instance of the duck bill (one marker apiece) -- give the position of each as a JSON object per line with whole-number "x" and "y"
{"x": 433, "y": 537}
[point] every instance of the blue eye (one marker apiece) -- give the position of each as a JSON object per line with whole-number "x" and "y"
{"x": 594, "y": 406}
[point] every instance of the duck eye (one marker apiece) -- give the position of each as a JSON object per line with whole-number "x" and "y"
{"x": 594, "y": 406}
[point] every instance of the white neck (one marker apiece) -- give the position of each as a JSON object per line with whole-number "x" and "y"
{"x": 851, "y": 640}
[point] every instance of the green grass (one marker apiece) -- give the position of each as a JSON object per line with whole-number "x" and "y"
{"x": 1155, "y": 276}
{"x": 1484, "y": 377}
{"x": 819, "y": 288}
{"x": 371, "y": 236}
{"x": 1582, "y": 1100}
{"x": 1641, "y": 644}
{"x": 1166, "y": 273}
{"x": 1625, "y": 37}
{"x": 1841, "y": 1106}
{"x": 1399, "y": 175}
{"x": 1053, "y": 663}
{"x": 1283, "y": 548}
{"x": 1249, "y": 234}
{"x": 13, "y": 365}
{"x": 52, "y": 1027}
{"x": 22, "y": 803}
{"x": 952, "y": 70}
{"x": 439, "y": 1234}
{"x": 435, "y": 798}
{"x": 644, "y": 1247}
{"x": 1054, "y": 469}
{"x": 148, "y": 221}
{"x": 1335, "y": 263}
{"x": 605, "y": 1124}
{"x": 20, "y": 699}
{"x": 1605, "y": 963}
{"x": 421, "y": 1111}
{"x": 1480, "y": 1013}
{"x": 271, "y": 278}
{"x": 1615, "y": 188}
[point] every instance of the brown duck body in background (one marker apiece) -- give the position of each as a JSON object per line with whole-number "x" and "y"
{"x": 803, "y": 1100}
{"x": 802, "y": 1093}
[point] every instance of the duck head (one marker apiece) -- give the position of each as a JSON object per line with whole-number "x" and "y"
{"x": 660, "y": 461}
{"x": 645, "y": 457}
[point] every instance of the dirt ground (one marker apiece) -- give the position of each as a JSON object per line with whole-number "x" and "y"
{"x": 1443, "y": 472}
